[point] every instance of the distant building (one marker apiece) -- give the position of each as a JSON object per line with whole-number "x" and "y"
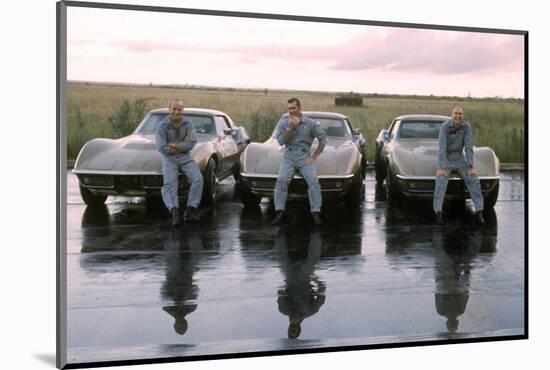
{"x": 351, "y": 100}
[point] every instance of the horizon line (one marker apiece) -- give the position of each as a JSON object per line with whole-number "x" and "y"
{"x": 196, "y": 86}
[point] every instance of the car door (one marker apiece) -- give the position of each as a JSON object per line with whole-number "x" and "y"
{"x": 229, "y": 152}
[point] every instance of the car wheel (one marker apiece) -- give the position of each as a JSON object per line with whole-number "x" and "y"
{"x": 490, "y": 199}
{"x": 90, "y": 198}
{"x": 357, "y": 192}
{"x": 364, "y": 168}
{"x": 393, "y": 195}
{"x": 245, "y": 195}
{"x": 237, "y": 172}
{"x": 210, "y": 184}
{"x": 154, "y": 203}
{"x": 380, "y": 174}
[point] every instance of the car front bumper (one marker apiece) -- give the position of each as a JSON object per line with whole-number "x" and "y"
{"x": 423, "y": 187}
{"x": 332, "y": 187}
{"x": 126, "y": 184}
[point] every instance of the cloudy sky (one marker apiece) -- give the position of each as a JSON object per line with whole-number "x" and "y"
{"x": 161, "y": 48}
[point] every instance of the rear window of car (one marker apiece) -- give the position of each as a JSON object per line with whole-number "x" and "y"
{"x": 334, "y": 127}
{"x": 419, "y": 129}
{"x": 202, "y": 124}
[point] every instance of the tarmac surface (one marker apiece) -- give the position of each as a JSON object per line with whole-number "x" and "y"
{"x": 139, "y": 289}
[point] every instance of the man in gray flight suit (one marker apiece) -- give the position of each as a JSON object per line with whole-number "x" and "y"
{"x": 175, "y": 139}
{"x": 296, "y": 132}
{"x": 455, "y": 139}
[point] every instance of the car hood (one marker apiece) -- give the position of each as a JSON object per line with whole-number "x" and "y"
{"x": 134, "y": 153}
{"x": 327, "y": 163}
{"x": 424, "y": 157}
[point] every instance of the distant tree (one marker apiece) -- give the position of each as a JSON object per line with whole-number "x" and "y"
{"x": 127, "y": 116}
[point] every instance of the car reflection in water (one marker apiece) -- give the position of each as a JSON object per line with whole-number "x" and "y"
{"x": 300, "y": 250}
{"x": 182, "y": 252}
{"x": 303, "y": 293}
{"x": 455, "y": 253}
{"x": 148, "y": 244}
{"x": 130, "y": 228}
{"x": 454, "y": 250}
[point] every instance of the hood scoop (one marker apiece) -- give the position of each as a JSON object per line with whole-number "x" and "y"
{"x": 101, "y": 163}
{"x": 140, "y": 146}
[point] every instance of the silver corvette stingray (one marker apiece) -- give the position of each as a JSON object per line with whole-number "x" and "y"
{"x": 406, "y": 157}
{"x": 341, "y": 167}
{"x": 131, "y": 166}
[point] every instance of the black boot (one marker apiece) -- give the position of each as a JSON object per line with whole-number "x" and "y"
{"x": 316, "y": 216}
{"x": 278, "y": 218}
{"x": 439, "y": 218}
{"x": 191, "y": 214}
{"x": 176, "y": 218}
{"x": 479, "y": 218}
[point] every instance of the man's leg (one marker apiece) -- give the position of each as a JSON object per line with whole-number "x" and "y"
{"x": 440, "y": 190}
{"x": 286, "y": 172}
{"x": 194, "y": 177}
{"x": 474, "y": 188}
{"x": 169, "y": 189}
{"x": 309, "y": 174}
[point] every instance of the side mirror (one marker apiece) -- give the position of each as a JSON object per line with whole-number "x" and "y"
{"x": 386, "y": 135}
{"x": 356, "y": 132}
{"x": 228, "y": 131}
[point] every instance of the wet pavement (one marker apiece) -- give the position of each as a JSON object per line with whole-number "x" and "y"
{"x": 233, "y": 283}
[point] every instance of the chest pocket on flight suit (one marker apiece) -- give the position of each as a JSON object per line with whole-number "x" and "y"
{"x": 304, "y": 131}
{"x": 456, "y": 139}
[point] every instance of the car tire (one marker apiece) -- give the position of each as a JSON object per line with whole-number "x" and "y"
{"x": 379, "y": 171}
{"x": 393, "y": 195}
{"x": 90, "y": 198}
{"x": 247, "y": 198}
{"x": 154, "y": 203}
{"x": 210, "y": 184}
{"x": 364, "y": 166}
{"x": 490, "y": 199}
{"x": 357, "y": 192}
{"x": 236, "y": 171}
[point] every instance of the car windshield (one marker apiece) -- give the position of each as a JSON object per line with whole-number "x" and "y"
{"x": 334, "y": 127}
{"x": 419, "y": 129}
{"x": 202, "y": 124}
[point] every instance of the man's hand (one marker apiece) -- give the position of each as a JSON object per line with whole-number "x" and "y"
{"x": 173, "y": 148}
{"x": 310, "y": 159}
{"x": 441, "y": 172}
{"x": 472, "y": 171}
{"x": 293, "y": 121}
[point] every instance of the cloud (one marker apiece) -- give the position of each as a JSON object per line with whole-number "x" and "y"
{"x": 385, "y": 49}
{"x": 439, "y": 52}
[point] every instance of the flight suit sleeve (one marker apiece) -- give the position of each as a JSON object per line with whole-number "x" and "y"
{"x": 442, "y": 157}
{"x": 161, "y": 140}
{"x": 281, "y": 128}
{"x": 188, "y": 145}
{"x": 319, "y": 133}
{"x": 469, "y": 145}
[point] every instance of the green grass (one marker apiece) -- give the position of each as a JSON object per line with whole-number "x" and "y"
{"x": 113, "y": 111}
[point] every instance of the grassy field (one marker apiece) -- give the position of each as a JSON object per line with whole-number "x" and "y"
{"x": 96, "y": 110}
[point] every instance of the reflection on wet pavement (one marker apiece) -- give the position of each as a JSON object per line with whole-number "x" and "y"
{"x": 233, "y": 283}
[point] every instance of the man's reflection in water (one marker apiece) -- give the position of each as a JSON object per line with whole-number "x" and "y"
{"x": 303, "y": 293}
{"x": 455, "y": 250}
{"x": 182, "y": 250}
